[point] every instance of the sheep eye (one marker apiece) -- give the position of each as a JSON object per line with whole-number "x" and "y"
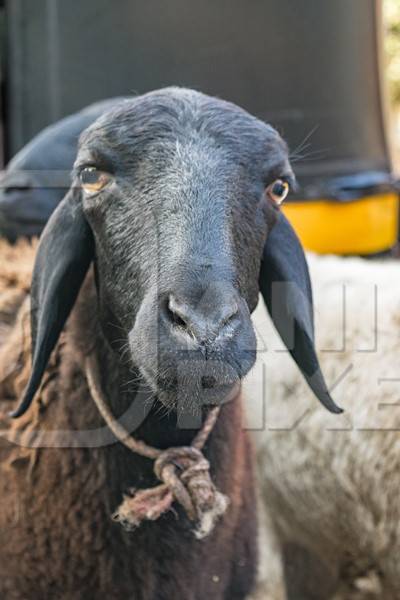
{"x": 278, "y": 191}
{"x": 93, "y": 180}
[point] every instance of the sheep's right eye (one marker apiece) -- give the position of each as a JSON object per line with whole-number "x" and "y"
{"x": 93, "y": 180}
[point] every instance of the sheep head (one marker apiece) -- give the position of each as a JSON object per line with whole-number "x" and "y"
{"x": 175, "y": 199}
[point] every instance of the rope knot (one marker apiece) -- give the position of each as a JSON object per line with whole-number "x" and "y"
{"x": 185, "y": 474}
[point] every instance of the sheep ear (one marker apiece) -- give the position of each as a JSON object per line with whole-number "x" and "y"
{"x": 286, "y": 288}
{"x": 62, "y": 260}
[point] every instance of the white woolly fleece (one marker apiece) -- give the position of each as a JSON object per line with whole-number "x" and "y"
{"x": 331, "y": 483}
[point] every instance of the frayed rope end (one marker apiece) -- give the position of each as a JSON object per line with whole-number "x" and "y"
{"x": 150, "y": 505}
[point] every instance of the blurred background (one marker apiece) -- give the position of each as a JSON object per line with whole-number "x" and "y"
{"x": 392, "y": 70}
{"x": 325, "y": 74}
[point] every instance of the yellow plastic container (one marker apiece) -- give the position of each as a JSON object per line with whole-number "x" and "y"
{"x": 363, "y": 226}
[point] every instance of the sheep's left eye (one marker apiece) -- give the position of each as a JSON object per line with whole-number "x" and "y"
{"x": 278, "y": 191}
{"x": 93, "y": 180}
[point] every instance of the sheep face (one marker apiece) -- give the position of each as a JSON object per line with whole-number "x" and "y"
{"x": 174, "y": 192}
{"x": 174, "y": 200}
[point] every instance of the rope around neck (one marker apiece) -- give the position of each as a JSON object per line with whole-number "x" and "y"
{"x": 184, "y": 472}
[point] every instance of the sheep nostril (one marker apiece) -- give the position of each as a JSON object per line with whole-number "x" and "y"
{"x": 176, "y": 314}
{"x": 208, "y": 382}
{"x": 202, "y": 322}
{"x": 230, "y": 316}
{"x": 176, "y": 319}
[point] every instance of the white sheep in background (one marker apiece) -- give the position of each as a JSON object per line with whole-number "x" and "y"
{"x": 330, "y": 484}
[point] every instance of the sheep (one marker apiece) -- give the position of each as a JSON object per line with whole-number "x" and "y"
{"x": 330, "y": 489}
{"x": 174, "y": 200}
{"x": 38, "y": 176}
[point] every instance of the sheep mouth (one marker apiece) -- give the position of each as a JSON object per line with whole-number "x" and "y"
{"x": 205, "y": 390}
{"x": 207, "y": 385}
{"x": 183, "y": 379}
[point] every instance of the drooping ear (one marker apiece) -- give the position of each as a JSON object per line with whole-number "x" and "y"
{"x": 62, "y": 260}
{"x": 286, "y": 288}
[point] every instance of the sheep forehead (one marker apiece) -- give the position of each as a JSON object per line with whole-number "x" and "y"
{"x": 189, "y": 167}
{"x": 161, "y": 118}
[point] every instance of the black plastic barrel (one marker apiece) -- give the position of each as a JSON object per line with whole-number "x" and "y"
{"x": 312, "y": 68}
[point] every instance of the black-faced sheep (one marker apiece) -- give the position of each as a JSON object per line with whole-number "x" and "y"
{"x": 173, "y": 200}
